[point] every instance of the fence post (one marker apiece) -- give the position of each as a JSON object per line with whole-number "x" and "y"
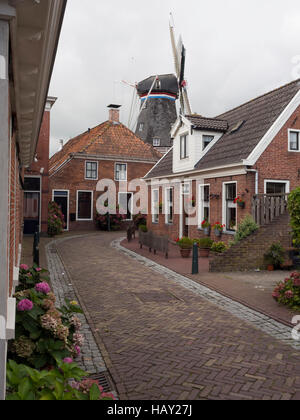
{"x": 195, "y": 265}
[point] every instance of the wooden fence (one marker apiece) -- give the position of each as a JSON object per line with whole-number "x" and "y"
{"x": 154, "y": 242}
{"x": 266, "y": 207}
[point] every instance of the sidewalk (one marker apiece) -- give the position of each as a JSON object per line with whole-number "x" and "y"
{"x": 253, "y": 289}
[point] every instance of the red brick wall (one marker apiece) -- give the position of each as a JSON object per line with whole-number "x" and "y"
{"x": 277, "y": 162}
{"x": 72, "y": 178}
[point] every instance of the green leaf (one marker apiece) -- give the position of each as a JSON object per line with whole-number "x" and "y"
{"x": 94, "y": 393}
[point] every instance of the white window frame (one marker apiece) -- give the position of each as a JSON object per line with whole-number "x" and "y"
{"x": 186, "y": 137}
{"x": 169, "y": 205}
{"x": 277, "y": 181}
{"x": 124, "y": 164}
{"x": 131, "y": 210}
{"x": 184, "y": 190}
{"x": 68, "y": 191}
{"x": 291, "y": 130}
{"x": 92, "y": 205}
{"x": 85, "y": 171}
{"x": 154, "y": 221}
{"x": 201, "y": 204}
{"x": 224, "y": 215}
{"x": 141, "y": 127}
{"x": 157, "y": 141}
{"x": 207, "y": 135}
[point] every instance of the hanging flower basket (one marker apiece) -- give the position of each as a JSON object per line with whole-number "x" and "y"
{"x": 206, "y": 227}
{"x": 240, "y": 202}
{"x": 218, "y": 229}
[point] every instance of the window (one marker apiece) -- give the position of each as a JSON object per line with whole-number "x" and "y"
{"x": 207, "y": 140}
{"x": 294, "y": 141}
{"x": 121, "y": 172}
{"x": 183, "y": 147}
{"x": 141, "y": 127}
{"x": 156, "y": 142}
{"x": 91, "y": 170}
{"x": 126, "y": 203}
{"x": 276, "y": 187}
{"x": 230, "y": 207}
{"x": 155, "y": 206}
{"x": 169, "y": 205}
{"x": 204, "y": 203}
{"x": 84, "y": 205}
{"x": 186, "y": 188}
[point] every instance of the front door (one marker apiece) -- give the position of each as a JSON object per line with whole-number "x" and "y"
{"x": 32, "y": 203}
{"x": 62, "y": 199}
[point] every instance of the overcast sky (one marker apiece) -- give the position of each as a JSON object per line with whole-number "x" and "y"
{"x": 236, "y": 50}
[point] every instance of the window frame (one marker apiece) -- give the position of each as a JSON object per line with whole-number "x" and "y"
{"x": 224, "y": 199}
{"x": 154, "y": 220}
{"x": 291, "y": 130}
{"x": 123, "y": 164}
{"x": 92, "y": 205}
{"x": 277, "y": 181}
{"x": 202, "y": 204}
{"x": 212, "y": 139}
{"x": 169, "y": 205}
{"x": 158, "y": 140}
{"x": 184, "y": 151}
{"x": 53, "y": 197}
{"x": 92, "y": 170}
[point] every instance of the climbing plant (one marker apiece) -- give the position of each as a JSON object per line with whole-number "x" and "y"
{"x": 294, "y": 210}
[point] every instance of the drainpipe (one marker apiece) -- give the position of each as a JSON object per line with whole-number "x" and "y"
{"x": 256, "y": 179}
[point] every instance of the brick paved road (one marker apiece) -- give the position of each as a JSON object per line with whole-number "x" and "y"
{"x": 162, "y": 341}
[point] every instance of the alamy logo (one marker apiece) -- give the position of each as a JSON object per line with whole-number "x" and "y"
{"x": 296, "y": 330}
{"x": 2, "y": 328}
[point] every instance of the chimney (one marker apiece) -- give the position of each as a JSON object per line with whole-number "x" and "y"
{"x": 114, "y": 113}
{"x": 61, "y": 145}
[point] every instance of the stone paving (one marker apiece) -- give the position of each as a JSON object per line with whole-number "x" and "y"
{"x": 91, "y": 359}
{"x": 166, "y": 337}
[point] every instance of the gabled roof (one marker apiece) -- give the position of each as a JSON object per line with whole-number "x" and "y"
{"x": 108, "y": 140}
{"x": 258, "y": 116}
{"x": 247, "y": 126}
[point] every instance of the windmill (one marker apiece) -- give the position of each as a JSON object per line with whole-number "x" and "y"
{"x": 179, "y": 54}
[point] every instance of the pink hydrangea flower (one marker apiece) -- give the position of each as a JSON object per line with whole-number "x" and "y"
{"x": 78, "y": 350}
{"x": 25, "y": 305}
{"x": 276, "y": 295}
{"x": 43, "y": 288}
{"x": 296, "y": 282}
{"x": 24, "y": 267}
{"x": 289, "y": 294}
{"x": 38, "y": 270}
{"x": 68, "y": 360}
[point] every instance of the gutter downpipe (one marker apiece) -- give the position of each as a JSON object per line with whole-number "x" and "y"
{"x": 256, "y": 179}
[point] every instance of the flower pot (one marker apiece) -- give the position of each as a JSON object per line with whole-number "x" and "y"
{"x": 185, "y": 252}
{"x": 206, "y": 231}
{"x": 241, "y": 205}
{"x": 270, "y": 267}
{"x": 218, "y": 233}
{"x": 204, "y": 252}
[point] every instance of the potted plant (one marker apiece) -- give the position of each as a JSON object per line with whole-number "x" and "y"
{"x": 218, "y": 229}
{"x": 240, "y": 202}
{"x": 206, "y": 227}
{"x": 218, "y": 247}
{"x": 185, "y": 244}
{"x": 275, "y": 256}
{"x": 204, "y": 245}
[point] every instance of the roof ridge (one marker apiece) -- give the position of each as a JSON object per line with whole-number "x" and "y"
{"x": 259, "y": 97}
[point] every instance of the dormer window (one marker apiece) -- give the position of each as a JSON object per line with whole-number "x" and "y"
{"x": 207, "y": 140}
{"x": 156, "y": 142}
{"x": 184, "y": 153}
{"x": 294, "y": 141}
{"x": 141, "y": 127}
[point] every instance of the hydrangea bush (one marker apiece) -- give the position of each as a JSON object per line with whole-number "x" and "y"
{"x": 288, "y": 292}
{"x": 56, "y": 222}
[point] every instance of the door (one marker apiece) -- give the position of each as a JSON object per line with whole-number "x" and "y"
{"x": 62, "y": 199}
{"x": 32, "y": 204}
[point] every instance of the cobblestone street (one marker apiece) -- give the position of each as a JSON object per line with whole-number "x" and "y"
{"x": 163, "y": 336}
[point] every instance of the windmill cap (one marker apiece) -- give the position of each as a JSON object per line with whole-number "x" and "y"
{"x": 168, "y": 83}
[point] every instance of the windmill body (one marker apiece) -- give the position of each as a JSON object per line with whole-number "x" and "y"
{"x": 158, "y": 95}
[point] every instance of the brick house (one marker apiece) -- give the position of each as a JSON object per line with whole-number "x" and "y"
{"x": 250, "y": 151}
{"x": 36, "y": 180}
{"x": 29, "y": 33}
{"x": 107, "y": 151}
